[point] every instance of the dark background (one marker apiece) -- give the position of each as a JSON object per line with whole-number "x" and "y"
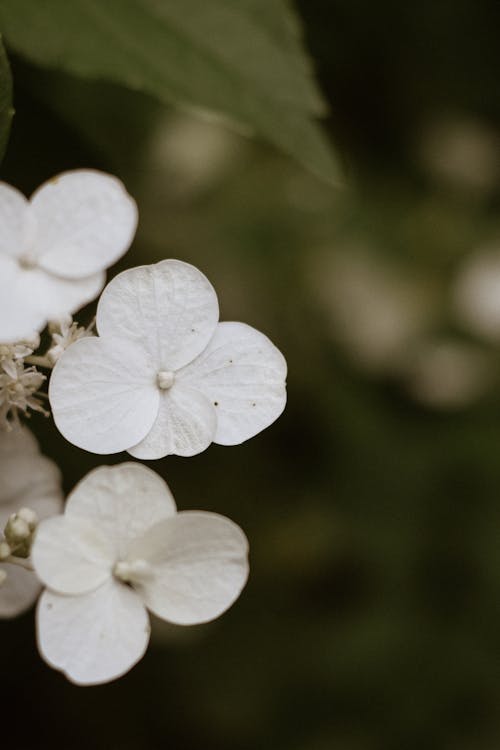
{"x": 371, "y": 620}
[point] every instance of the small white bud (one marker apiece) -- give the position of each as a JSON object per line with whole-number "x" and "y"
{"x": 165, "y": 379}
{"x": 5, "y": 550}
{"x": 29, "y": 516}
{"x": 16, "y": 530}
{"x": 137, "y": 570}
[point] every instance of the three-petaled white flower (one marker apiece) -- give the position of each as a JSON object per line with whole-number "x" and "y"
{"x": 120, "y": 547}
{"x": 163, "y": 376}
{"x": 55, "y": 248}
{"x": 27, "y": 479}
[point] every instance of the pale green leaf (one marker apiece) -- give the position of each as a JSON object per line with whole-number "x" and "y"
{"x": 240, "y": 58}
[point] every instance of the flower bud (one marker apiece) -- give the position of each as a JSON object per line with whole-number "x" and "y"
{"x": 16, "y": 530}
{"x": 29, "y": 516}
{"x": 5, "y": 550}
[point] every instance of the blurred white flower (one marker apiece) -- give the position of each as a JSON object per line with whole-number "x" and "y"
{"x": 27, "y": 479}
{"x": 119, "y": 548}
{"x": 376, "y": 309}
{"x": 448, "y": 374}
{"x": 476, "y": 294}
{"x": 55, "y": 248}
{"x": 461, "y": 152}
{"x": 164, "y": 377}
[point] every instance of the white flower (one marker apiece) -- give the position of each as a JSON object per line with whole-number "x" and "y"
{"x": 164, "y": 377}
{"x": 27, "y": 479}
{"x": 119, "y": 548}
{"x": 55, "y": 248}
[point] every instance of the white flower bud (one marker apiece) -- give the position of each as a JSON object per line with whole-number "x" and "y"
{"x": 5, "y": 550}
{"x": 29, "y": 516}
{"x": 16, "y": 530}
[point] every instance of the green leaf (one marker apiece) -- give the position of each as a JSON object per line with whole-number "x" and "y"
{"x": 240, "y": 58}
{"x": 6, "y": 110}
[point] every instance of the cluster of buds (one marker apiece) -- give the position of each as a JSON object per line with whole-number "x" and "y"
{"x": 65, "y": 332}
{"x": 18, "y": 535}
{"x": 19, "y": 384}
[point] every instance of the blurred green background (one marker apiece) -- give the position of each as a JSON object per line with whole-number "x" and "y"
{"x": 371, "y": 620}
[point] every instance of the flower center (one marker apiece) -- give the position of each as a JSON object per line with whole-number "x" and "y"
{"x": 133, "y": 571}
{"x": 165, "y": 379}
{"x": 28, "y": 261}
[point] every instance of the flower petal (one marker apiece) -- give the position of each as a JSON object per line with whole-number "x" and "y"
{"x": 14, "y": 220}
{"x": 170, "y": 307}
{"x": 243, "y": 374}
{"x": 85, "y": 221}
{"x": 185, "y": 425}
{"x": 18, "y": 592}
{"x": 31, "y": 297}
{"x": 72, "y": 555}
{"x": 103, "y": 396}
{"x": 93, "y": 638}
{"x": 124, "y": 501}
{"x": 200, "y": 566}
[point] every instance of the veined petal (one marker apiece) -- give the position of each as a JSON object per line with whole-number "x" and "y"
{"x": 14, "y": 220}
{"x": 18, "y": 592}
{"x": 124, "y": 501}
{"x": 86, "y": 220}
{"x": 185, "y": 425}
{"x": 93, "y": 638}
{"x": 199, "y": 563}
{"x": 170, "y": 307}
{"x": 29, "y": 297}
{"x": 72, "y": 555}
{"x": 103, "y": 395}
{"x": 243, "y": 374}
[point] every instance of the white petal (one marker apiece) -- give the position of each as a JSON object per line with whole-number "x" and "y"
{"x": 72, "y": 555}
{"x": 170, "y": 306}
{"x": 31, "y": 297}
{"x": 18, "y": 592}
{"x": 85, "y": 221}
{"x": 103, "y": 395}
{"x": 14, "y": 220}
{"x": 124, "y": 501}
{"x": 243, "y": 374}
{"x": 185, "y": 425}
{"x": 200, "y": 566}
{"x": 93, "y": 638}
{"x": 28, "y": 479}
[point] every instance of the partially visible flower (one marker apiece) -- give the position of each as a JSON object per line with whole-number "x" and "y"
{"x": 65, "y": 332}
{"x": 19, "y": 391}
{"x": 27, "y": 479}
{"x": 55, "y": 248}
{"x": 447, "y": 374}
{"x": 164, "y": 377}
{"x": 119, "y": 549}
{"x": 476, "y": 294}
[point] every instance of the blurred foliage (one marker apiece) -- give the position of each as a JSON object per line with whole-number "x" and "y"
{"x": 371, "y": 620}
{"x": 6, "y": 110}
